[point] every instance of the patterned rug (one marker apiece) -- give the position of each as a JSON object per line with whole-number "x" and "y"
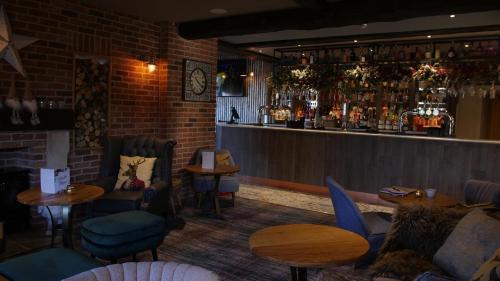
{"x": 222, "y": 245}
{"x": 299, "y": 200}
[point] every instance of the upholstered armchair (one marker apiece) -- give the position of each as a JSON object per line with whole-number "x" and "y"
{"x": 479, "y": 192}
{"x": 153, "y": 271}
{"x": 157, "y": 195}
{"x": 371, "y": 225}
{"x": 204, "y": 184}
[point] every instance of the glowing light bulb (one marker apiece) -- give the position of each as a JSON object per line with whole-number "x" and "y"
{"x": 151, "y": 67}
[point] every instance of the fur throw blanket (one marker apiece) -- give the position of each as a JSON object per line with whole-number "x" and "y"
{"x": 415, "y": 236}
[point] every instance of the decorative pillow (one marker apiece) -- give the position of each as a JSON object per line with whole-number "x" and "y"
{"x": 135, "y": 169}
{"x": 422, "y": 229}
{"x": 416, "y": 233}
{"x": 490, "y": 270}
{"x": 471, "y": 243}
{"x": 223, "y": 159}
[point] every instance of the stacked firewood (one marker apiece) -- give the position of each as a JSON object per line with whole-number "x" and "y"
{"x": 91, "y": 101}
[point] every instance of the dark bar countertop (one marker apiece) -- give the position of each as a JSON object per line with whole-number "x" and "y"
{"x": 361, "y": 161}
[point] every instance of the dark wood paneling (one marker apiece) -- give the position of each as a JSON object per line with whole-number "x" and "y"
{"x": 363, "y": 163}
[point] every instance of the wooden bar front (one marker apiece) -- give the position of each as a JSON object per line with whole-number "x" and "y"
{"x": 360, "y": 161}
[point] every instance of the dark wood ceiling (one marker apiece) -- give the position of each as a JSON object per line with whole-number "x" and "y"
{"x": 316, "y": 14}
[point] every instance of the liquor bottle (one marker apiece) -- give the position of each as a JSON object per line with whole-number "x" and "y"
{"x": 393, "y": 53}
{"x": 412, "y": 53}
{"x": 437, "y": 53}
{"x": 376, "y": 53}
{"x": 418, "y": 54}
{"x": 491, "y": 50}
{"x": 478, "y": 52}
{"x": 345, "y": 56}
{"x": 452, "y": 54}
{"x": 363, "y": 56}
{"x": 428, "y": 54}
{"x": 327, "y": 56}
{"x": 353, "y": 57}
{"x": 402, "y": 54}
{"x": 311, "y": 58}
{"x": 303, "y": 59}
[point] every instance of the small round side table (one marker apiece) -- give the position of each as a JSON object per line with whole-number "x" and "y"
{"x": 217, "y": 172}
{"x": 80, "y": 194}
{"x": 303, "y": 246}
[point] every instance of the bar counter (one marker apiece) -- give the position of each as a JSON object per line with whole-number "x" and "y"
{"x": 364, "y": 162}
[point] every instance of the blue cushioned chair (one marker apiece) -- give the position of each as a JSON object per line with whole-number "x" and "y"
{"x": 204, "y": 184}
{"x": 48, "y": 265}
{"x": 372, "y": 225}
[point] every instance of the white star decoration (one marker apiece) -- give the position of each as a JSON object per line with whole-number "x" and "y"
{"x": 11, "y": 43}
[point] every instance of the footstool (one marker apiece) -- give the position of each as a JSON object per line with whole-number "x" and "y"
{"x": 123, "y": 234}
{"x": 47, "y": 265}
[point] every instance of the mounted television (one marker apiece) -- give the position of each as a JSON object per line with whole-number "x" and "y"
{"x": 231, "y": 76}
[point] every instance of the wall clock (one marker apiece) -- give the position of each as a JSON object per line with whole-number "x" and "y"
{"x": 197, "y": 81}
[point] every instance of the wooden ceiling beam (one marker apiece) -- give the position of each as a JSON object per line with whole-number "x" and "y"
{"x": 369, "y": 37}
{"x": 316, "y": 5}
{"x": 335, "y": 14}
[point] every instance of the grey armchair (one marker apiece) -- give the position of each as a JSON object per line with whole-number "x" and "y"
{"x": 204, "y": 184}
{"x": 157, "y": 195}
{"x": 477, "y": 192}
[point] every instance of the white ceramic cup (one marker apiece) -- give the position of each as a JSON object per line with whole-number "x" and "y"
{"x": 431, "y": 192}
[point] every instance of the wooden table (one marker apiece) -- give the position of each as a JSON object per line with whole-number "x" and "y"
{"x": 303, "y": 246}
{"x": 82, "y": 193}
{"x": 219, "y": 171}
{"x": 440, "y": 200}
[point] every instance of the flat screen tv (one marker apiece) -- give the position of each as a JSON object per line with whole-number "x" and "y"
{"x": 231, "y": 76}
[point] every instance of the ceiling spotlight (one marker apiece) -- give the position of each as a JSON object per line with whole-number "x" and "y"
{"x": 252, "y": 74}
{"x": 355, "y": 41}
{"x": 429, "y": 36}
{"x": 466, "y": 45}
{"x": 298, "y": 45}
{"x": 364, "y": 25}
{"x": 218, "y": 11}
{"x": 452, "y": 16}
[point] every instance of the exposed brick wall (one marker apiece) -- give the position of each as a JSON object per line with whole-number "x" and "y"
{"x": 141, "y": 103}
{"x": 192, "y": 124}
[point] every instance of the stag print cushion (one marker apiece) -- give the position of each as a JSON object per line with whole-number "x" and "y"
{"x": 131, "y": 167}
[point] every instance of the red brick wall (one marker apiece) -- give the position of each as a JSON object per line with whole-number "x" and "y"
{"x": 141, "y": 103}
{"x": 192, "y": 124}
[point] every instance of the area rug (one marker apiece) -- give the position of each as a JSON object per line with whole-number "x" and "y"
{"x": 299, "y": 200}
{"x": 222, "y": 245}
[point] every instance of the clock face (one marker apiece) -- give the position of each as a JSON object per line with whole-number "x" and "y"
{"x": 198, "y": 81}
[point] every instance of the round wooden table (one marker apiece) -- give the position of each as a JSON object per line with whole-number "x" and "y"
{"x": 440, "y": 200}
{"x": 80, "y": 194}
{"x": 303, "y": 246}
{"x": 217, "y": 172}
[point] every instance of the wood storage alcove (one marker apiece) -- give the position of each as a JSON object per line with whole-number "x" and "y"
{"x": 91, "y": 99}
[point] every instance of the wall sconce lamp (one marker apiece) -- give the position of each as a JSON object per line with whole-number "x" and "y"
{"x": 251, "y": 74}
{"x": 150, "y": 62}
